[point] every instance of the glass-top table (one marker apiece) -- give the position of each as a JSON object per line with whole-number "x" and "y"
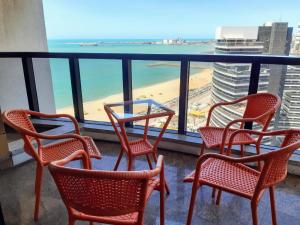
{"x": 141, "y": 110}
{"x": 137, "y": 110}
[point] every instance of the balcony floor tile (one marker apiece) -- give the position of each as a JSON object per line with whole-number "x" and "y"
{"x": 17, "y": 195}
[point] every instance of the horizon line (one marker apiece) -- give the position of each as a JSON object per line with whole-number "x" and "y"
{"x": 94, "y": 38}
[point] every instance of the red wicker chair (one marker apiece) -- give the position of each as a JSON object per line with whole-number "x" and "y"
{"x": 110, "y": 197}
{"x": 19, "y": 120}
{"x": 232, "y": 175}
{"x": 260, "y": 108}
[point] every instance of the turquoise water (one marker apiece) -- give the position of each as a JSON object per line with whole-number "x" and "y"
{"x": 102, "y": 78}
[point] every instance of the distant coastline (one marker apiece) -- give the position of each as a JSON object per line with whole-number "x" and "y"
{"x": 137, "y": 42}
{"x": 165, "y": 92}
{"x": 96, "y": 74}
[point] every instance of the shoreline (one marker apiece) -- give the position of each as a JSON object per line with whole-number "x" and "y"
{"x": 161, "y": 92}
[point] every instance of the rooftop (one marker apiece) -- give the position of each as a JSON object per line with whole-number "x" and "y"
{"x": 245, "y": 33}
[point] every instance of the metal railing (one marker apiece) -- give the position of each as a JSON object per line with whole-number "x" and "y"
{"x": 185, "y": 59}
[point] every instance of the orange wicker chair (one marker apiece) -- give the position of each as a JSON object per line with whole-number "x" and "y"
{"x": 232, "y": 175}
{"x": 19, "y": 120}
{"x": 110, "y": 197}
{"x": 260, "y": 108}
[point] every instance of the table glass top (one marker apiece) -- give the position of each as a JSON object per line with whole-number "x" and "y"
{"x": 140, "y": 108}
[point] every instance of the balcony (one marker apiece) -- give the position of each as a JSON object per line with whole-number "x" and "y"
{"x": 180, "y": 132}
{"x": 19, "y": 201}
{"x": 180, "y": 144}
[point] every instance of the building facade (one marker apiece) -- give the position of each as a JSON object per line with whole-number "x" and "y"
{"x": 296, "y": 42}
{"x": 290, "y": 110}
{"x": 231, "y": 81}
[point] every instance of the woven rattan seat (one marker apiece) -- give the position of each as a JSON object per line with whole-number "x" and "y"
{"x": 61, "y": 150}
{"x": 212, "y": 136}
{"x": 234, "y": 176}
{"x": 140, "y": 147}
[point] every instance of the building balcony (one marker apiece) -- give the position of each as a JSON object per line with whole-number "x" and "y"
{"x": 180, "y": 144}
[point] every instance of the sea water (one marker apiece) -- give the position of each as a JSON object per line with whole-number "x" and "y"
{"x": 102, "y": 78}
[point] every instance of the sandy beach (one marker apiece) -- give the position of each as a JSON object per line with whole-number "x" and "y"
{"x": 162, "y": 92}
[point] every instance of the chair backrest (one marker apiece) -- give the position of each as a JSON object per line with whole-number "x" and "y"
{"x": 19, "y": 120}
{"x": 262, "y": 104}
{"x": 276, "y": 162}
{"x": 102, "y": 193}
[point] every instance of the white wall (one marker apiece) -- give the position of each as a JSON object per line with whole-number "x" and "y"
{"x": 22, "y": 28}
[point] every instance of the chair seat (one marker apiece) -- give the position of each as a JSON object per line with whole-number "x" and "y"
{"x": 61, "y": 150}
{"x": 212, "y": 136}
{"x": 232, "y": 177}
{"x": 130, "y": 218}
{"x": 140, "y": 147}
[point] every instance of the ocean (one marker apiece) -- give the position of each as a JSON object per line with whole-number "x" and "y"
{"x": 102, "y": 78}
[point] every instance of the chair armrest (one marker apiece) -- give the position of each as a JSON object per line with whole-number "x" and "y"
{"x": 222, "y": 104}
{"x": 246, "y": 159}
{"x": 159, "y": 169}
{"x": 44, "y": 115}
{"x": 160, "y": 162}
{"x": 242, "y": 120}
{"x": 54, "y": 137}
{"x": 80, "y": 154}
{"x": 261, "y": 134}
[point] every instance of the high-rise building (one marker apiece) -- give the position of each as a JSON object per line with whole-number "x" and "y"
{"x": 296, "y": 43}
{"x": 231, "y": 80}
{"x": 290, "y": 110}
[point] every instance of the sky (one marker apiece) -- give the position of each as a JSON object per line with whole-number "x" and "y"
{"x": 79, "y": 19}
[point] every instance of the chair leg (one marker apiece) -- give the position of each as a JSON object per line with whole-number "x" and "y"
{"x": 192, "y": 204}
{"x": 258, "y": 152}
{"x": 149, "y": 162}
{"x": 273, "y": 209}
{"x": 71, "y": 221}
{"x": 219, "y": 197}
{"x": 254, "y": 212}
{"x": 213, "y": 193}
{"x": 167, "y": 188}
{"x": 38, "y": 186}
{"x": 129, "y": 166}
{"x": 242, "y": 151}
{"x": 91, "y": 223}
{"x": 162, "y": 205}
{"x": 202, "y": 149}
{"x": 154, "y": 157}
{"x": 118, "y": 160}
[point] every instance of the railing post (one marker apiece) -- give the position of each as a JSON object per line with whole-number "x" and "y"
{"x": 127, "y": 86}
{"x": 253, "y": 85}
{"x": 254, "y": 78}
{"x": 29, "y": 78}
{"x": 2, "y": 222}
{"x": 183, "y": 96}
{"x": 76, "y": 88}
